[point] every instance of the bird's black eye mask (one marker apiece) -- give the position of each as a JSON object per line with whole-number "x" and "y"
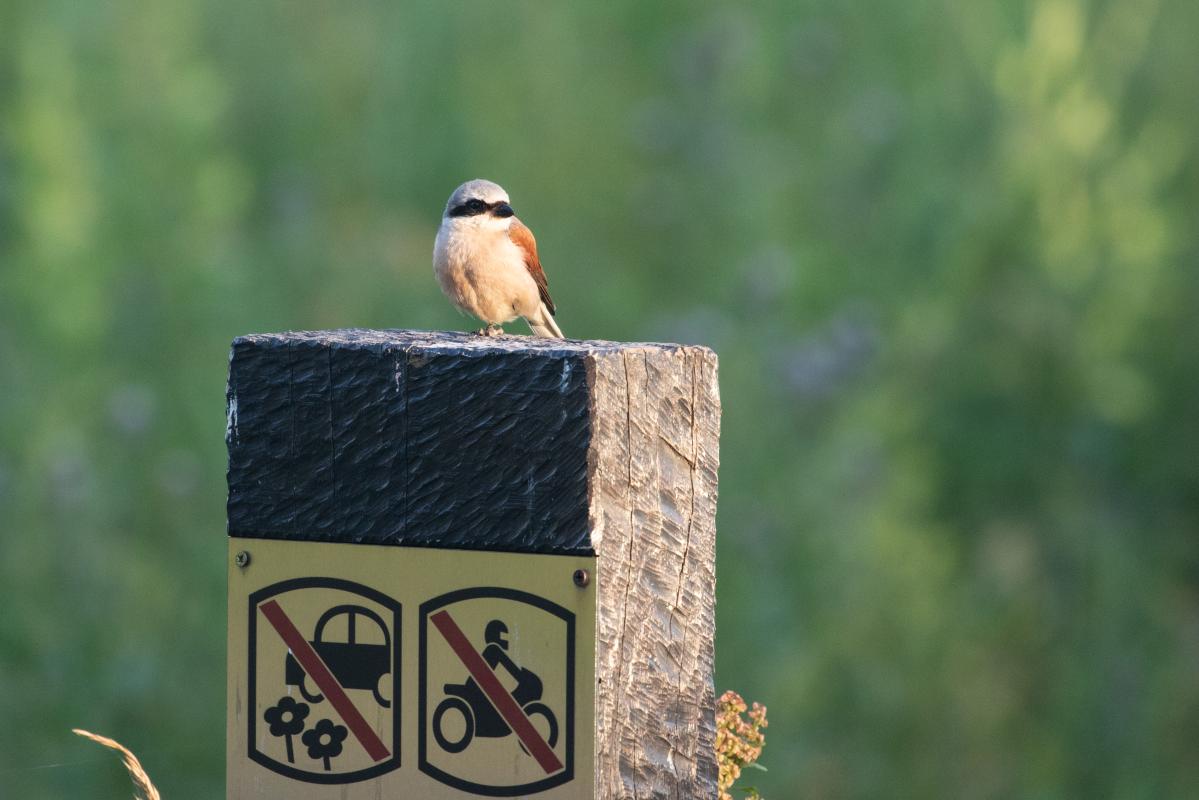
{"x": 475, "y": 206}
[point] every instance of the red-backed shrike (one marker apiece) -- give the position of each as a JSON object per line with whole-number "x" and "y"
{"x": 486, "y": 261}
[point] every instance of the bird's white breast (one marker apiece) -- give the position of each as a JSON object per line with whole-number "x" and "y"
{"x": 482, "y": 271}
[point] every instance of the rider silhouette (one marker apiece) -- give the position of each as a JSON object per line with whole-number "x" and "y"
{"x": 496, "y": 651}
{"x": 528, "y": 685}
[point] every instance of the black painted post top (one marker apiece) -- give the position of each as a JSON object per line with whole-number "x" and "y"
{"x": 411, "y": 438}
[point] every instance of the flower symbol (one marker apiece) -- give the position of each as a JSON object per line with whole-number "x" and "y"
{"x": 286, "y": 718}
{"x": 324, "y": 740}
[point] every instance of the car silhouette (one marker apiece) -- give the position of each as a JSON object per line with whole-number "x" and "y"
{"x": 354, "y": 664}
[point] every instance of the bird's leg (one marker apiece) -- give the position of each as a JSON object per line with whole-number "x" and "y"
{"x": 491, "y": 330}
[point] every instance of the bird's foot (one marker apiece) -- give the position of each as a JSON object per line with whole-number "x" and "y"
{"x": 490, "y": 330}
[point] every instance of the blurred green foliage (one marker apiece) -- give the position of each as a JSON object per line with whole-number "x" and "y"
{"x": 946, "y": 252}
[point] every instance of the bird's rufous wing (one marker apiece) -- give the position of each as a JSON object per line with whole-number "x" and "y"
{"x": 522, "y": 237}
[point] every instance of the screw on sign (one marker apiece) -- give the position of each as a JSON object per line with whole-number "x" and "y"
{"x": 344, "y": 679}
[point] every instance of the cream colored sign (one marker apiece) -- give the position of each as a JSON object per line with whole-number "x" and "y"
{"x": 362, "y": 671}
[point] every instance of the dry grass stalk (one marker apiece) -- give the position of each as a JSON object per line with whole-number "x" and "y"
{"x": 141, "y": 780}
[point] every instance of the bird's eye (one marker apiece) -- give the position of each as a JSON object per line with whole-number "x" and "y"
{"x": 475, "y": 205}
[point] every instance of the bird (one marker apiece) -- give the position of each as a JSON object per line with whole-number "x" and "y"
{"x": 486, "y": 263}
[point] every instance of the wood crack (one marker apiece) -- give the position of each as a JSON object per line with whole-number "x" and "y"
{"x": 621, "y": 658}
{"x": 674, "y": 449}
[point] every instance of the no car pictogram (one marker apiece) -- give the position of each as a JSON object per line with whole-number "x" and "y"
{"x": 343, "y": 727}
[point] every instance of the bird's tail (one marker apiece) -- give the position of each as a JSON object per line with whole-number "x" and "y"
{"x": 544, "y": 325}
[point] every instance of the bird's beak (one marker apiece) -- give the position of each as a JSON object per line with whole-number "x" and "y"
{"x": 503, "y": 210}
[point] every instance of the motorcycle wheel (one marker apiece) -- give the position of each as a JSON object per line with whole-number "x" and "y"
{"x": 468, "y": 734}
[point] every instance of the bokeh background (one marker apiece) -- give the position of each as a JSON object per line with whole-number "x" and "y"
{"x": 946, "y": 252}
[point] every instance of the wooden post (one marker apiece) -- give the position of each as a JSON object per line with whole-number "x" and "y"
{"x": 522, "y": 445}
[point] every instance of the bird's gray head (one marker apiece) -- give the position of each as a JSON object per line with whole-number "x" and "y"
{"x": 478, "y": 198}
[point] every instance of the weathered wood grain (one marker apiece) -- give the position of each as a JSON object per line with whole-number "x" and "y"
{"x": 410, "y": 438}
{"x": 653, "y": 462}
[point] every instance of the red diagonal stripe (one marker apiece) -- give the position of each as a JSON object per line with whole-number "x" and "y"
{"x": 504, "y": 703}
{"x": 330, "y": 688}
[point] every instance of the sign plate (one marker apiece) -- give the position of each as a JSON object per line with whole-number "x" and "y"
{"x": 360, "y": 671}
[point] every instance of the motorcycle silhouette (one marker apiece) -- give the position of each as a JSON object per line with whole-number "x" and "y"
{"x": 479, "y": 715}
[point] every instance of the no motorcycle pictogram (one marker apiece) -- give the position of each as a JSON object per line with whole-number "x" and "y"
{"x": 496, "y": 691}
